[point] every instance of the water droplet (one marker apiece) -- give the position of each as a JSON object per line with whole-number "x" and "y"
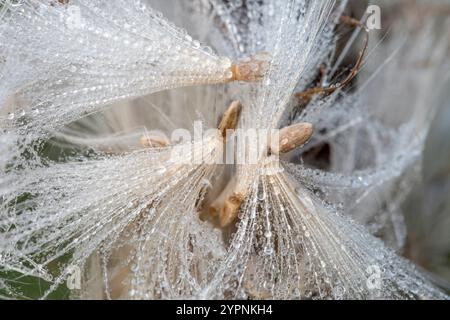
{"x": 268, "y": 250}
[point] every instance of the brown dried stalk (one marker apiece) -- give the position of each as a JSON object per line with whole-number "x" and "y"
{"x": 307, "y": 95}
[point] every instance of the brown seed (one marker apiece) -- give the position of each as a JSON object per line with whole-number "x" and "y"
{"x": 154, "y": 141}
{"x": 292, "y": 137}
{"x": 230, "y": 118}
{"x": 251, "y": 69}
{"x": 216, "y": 206}
{"x": 230, "y": 209}
{"x": 226, "y": 205}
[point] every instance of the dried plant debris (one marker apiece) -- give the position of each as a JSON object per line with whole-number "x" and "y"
{"x": 310, "y": 93}
{"x": 108, "y": 191}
